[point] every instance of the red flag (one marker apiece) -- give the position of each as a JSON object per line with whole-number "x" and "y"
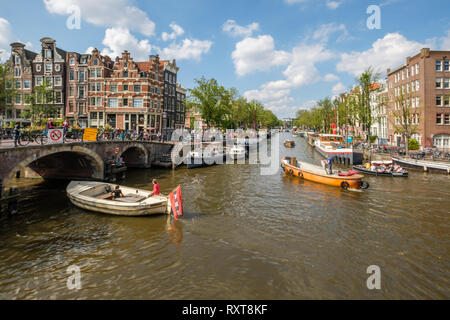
{"x": 176, "y": 202}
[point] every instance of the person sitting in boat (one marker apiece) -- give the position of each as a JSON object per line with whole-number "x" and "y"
{"x": 155, "y": 191}
{"x": 368, "y": 165}
{"x": 117, "y": 193}
{"x": 373, "y": 168}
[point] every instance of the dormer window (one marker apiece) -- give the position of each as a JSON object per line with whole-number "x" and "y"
{"x": 95, "y": 62}
{"x": 48, "y": 53}
{"x": 125, "y": 64}
{"x": 16, "y": 59}
{"x": 72, "y": 61}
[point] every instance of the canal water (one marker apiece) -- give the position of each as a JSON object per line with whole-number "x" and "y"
{"x": 243, "y": 236}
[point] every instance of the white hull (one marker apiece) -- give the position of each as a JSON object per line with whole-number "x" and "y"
{"x": 84, "y": 194}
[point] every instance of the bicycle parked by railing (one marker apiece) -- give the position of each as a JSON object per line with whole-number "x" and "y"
{"x": 24, "y": 139}
{"x": 41, "y": 138}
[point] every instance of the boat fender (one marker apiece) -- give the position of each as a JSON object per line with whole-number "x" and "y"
{"x": 300, "y": 174}
{"x": 108, "y": 188}
{"x": 364, "y": 185}
{"x": 291, "y": 171}
{"x": 344, "y": 185}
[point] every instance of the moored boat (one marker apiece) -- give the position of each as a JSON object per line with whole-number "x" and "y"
{"x": 204, "y": 159}
{"x": 96, "y": 196}
{"x": 236, "y": 153}
{"x": 318, "y": 174}
{"x": 331, "y": 146}
{"x": 382, "y": 169}
{"x": 422, "y": 165}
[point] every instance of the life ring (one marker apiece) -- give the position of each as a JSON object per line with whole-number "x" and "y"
{"x": 345, "y": 185}
{"x": 364, "y": 185}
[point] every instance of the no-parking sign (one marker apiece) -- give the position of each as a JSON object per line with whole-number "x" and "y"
{"x": 55, "y": 136}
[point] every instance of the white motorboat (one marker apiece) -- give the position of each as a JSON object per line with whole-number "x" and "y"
{"x": 96, "y": 196}
{"x": 236, "y": 153}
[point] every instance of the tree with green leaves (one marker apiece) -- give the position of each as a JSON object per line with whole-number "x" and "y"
{"x": 212, "y": 99}
{"x": 366, "y": 83}
{"x": 404, "y": 117}
{"x": 7, "y": 92}
{"x": 41, "y": 104}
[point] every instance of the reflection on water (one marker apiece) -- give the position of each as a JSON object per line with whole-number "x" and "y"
{"x": 243, "y": 236}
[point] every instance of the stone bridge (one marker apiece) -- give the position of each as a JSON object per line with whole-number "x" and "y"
{"x": 82, "y": 160}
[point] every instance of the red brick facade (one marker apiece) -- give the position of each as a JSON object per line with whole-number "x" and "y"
{"x": 417, "y": 80}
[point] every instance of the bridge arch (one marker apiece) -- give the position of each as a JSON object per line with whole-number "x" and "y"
{"x": 77, "y": 154}
{"x": 135, "y": 155}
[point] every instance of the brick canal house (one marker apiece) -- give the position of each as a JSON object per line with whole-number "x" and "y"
{"x": 134, "y": 94}
{"x": 99, "y": 70}
{"x": 50, "y": 65}
{"x": 425, "y": 82}
{"x": 92, "y": 90}
{"x": 20, "y": 64}
{"x": 170, "y": 70}
{"x": 77, "y": 88}
{"x": 181, "y": 107}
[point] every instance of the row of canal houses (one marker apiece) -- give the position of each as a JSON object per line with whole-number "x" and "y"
{"x": 92, "y": 90}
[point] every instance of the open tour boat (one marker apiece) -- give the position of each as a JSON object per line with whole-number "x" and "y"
{"x": 383, "y": 169}
{"x": 96, "y": 196}
{"x": 318, "y": 174}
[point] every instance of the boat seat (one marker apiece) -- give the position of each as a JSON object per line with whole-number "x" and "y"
{"x": 105, "y": 196}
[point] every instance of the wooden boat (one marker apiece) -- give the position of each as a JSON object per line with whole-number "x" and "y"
{"x": 318, "y": 174}
{"x": 96, "y": 196}
{"x": 362, "y": 169}
{"x": 421, "y": 165}
{"x": 289, "y": 143}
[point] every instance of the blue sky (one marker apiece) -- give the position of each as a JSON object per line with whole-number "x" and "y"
{"x": 286, "y": 53}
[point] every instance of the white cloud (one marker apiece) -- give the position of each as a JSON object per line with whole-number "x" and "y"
{"x": 338, "y": 89}
{"x": 6, "y": 37}
{"x": 257, "y": 54}
{"x": 302, "y": 68}
{"x": 89, "y": 50}
{"x": 177, "y": 31}
{"x": 388, "y": 52}
{"x": 308, "y": 105}
{"x": 324, "y": 31}
{"x": 118, "y": 39}
{"x": 331, "y": 78}
{"x": 235, "y": 30}
{"x": 109, "y": 13}
{"x": 187, "y": 49}
{"x": 445, "y": 42}
{"x": 333, "y": 4}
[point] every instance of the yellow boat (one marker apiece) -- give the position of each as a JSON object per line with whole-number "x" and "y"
{"x": 318, "y": 174}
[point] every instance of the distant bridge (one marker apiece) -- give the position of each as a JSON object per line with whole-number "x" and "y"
{"x": 80, "y": 160}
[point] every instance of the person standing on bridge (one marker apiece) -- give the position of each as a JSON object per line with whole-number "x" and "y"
{"x": 65, "y": 126}
{"x": 50, "y": 125}
{"x": 16, "y": 134}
